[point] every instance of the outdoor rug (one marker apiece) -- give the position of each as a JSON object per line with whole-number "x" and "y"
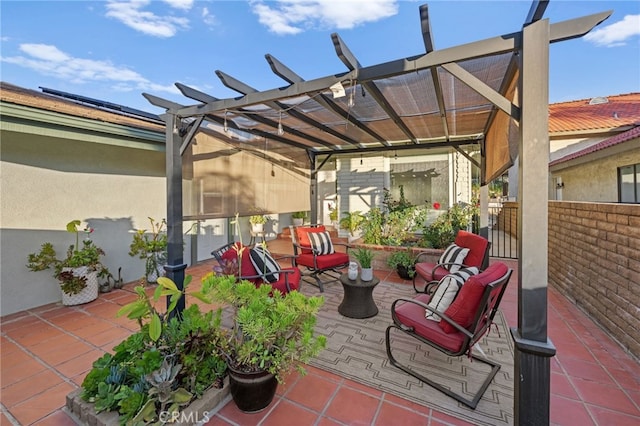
{"x": 356, "y": 350}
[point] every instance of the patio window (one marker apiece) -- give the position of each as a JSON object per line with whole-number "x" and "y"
{"x": 629, "y": 184}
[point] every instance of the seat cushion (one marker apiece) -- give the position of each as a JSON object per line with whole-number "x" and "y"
{"x": 412, "y": 315}
{"x": 302, "y": 234}
{"x": 477, "y": 246}
{"x": 264, "y": 263}
{"x": 294, "y": 280}
{"x": 465, "y": 306}
{"x": 326, "y": 261}
{"x": 453, "y": 257}
{"x": 425, "y": 270}
{"x": 321, "y": 242}
{"x": 446, "y": 291}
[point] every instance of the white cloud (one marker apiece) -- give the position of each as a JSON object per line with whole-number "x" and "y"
{"x": 294, "y": 16}
{"x": 49, "y": 60}
{"x": 207, "y": 17}
{"x": 131, "y": 13}
{"x": 180, "y": 4}
{"x": 617, "y": 33}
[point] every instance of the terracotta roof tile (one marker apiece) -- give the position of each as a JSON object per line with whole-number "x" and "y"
{"x": 619, "y": 111}
{"x": 614, "y": 140}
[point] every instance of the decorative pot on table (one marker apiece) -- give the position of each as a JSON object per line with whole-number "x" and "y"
{"x": 366, "y": 274}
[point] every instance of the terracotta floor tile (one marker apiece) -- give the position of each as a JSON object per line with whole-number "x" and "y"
{"x": 7, "y": 347}
{"x": 111, "y": 336}
{"x": 21, "y": 371}
{"x": 585, "y": 370}
{"x": 59, "y": 418}
{"x": 605, "y": 396}
{"x": 29, "y": 387}
{"x": 409, "y": 405}
{"x": 286, "y": 413}
{"x": 92, "y": 327}
{"x": 363, "y": 388}
{"x": 568, "y": 412}
{"x": 59, "y": 355}
{"x": 391, "y": 415}
{"x": 438, "y": 418}
{"x": 312, "y": 391}
{"x": 14, "y": 358}
{"x": 352, "y": 407}
{"x": 42, "y": 405}
{"x": 9, "y": 326}
{"x": 218, "y": 421}
{"x": 562, "y": 386}
{"x": 609, "y": 417}
{"x": 62, "y": 340}
{"x": 79, "y": 364}
{"x": 232, "y": 413}
{"x": 36, "y": 334}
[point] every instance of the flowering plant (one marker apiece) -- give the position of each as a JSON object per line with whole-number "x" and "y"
{"x": 151, "y": 247}
{"x": 77, "y": 256}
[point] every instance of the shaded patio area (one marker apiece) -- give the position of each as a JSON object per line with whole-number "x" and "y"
{"x": 47, "y": 351}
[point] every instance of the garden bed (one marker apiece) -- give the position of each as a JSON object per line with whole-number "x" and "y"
{"x": 200, "y": 411}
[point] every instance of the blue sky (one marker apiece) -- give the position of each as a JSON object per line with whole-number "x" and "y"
{"x": 116, "y": 50}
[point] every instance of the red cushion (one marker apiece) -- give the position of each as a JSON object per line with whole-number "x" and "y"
{"x": 476, "y": 244}
{"x": 246, "y": 268}
{"x": 465, "y": 305}
{"x": 414, "y": 315}
{"x": 294, "y": 280}
{"x": 325, "y": 261}
{"x": 302, "y": 231}
{"x": 425, "y": 270}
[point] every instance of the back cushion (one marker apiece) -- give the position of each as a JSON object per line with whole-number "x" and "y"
{"x": 464, "y": 307}
{"x": 246, "y": 268}
{"x": 476, "y": 244}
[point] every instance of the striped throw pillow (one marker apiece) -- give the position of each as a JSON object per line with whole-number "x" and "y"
{"x": 447, "y": 291}
{"x": 453, "y": 257}
{"x": 264, "y": 263}
{"x": 321, "y": 242}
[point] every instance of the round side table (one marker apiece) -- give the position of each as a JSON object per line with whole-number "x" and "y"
{"x": 358, "y": 297}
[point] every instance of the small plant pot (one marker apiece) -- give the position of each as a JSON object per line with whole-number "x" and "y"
{"x": 366, "y": 274}
{"x": 404, "y": 272}
{"x": 298, "y": 221}
{"x": 252, "y": 392}
{"x": 257, "y": 227}
{"x": 87, "y": 294}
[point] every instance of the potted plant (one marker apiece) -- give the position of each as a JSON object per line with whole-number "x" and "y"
{"x": 403, "y": 262}
{"x": 152, "y": 248}
{"x": 257, "y": 222}
{"x": 351, "y": 222}
{"x": 333, "y": 214}
{"x": 364, "y": 257}
{"x": 298, "y": 218}
{"x": 78, "y": 271}
{"x": 270, "y": 335}
{"x": 158, "y": 371}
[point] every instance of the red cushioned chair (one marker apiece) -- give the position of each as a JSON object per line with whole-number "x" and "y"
{"x": 461, "y": 325}
{"x": 431, "y": 273}
{"x": 288, "y": 278}
{"x": 315, "y": 262}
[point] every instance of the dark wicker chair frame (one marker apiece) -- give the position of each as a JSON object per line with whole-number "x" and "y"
{"x": 318, "y": 267}
{"x": 288, "y": 273}
{"x": 488, "y": 307}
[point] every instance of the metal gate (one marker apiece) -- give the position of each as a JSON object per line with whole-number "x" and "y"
{"x": 503, "y": 230}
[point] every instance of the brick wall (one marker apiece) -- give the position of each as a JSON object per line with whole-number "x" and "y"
{"x": 594, "y": 260}
{"x": 507, "y": 220}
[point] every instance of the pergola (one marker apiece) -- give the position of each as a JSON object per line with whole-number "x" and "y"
{"x": 491, "y": 94}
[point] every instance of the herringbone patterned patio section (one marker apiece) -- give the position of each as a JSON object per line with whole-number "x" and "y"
{"x": 356, "y": 350}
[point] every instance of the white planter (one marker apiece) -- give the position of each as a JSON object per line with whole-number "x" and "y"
{"x": 88, "y": 294}
{"x": 298, "y": 221}
{"x": 155, "y": 269}
{"x": 257, "y": 227}
{"x": 366, "y": 274}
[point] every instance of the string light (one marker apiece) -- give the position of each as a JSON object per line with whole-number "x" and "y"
{"x": 361, "y": 159}
{"x": 225, "y": 127}
{"x": 280, "y": 129}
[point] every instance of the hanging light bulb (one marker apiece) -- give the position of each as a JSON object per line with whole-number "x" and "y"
{"x": 360, "y": 159}
{"x": 351, "y": 102}
{"x": 225, "y": 127}
{"x": 395, "y": 155}
{"x": 273, "y": 172}
{"x": 280, "y": 129}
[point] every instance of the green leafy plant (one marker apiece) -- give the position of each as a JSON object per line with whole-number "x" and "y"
{"x": 87, "y": 254}
{"x": 442, "y": 232}
{"x": 333, "y": 213}
{"x": 403, "y": 261}
{"x": 150, "y": 246}
{"x": 351, "y": 221}
{"x": 270, "y": 332}
{"x": 299, "y": 215}
{"x": 258, "y": 219}
{"x": 364, "y": 256}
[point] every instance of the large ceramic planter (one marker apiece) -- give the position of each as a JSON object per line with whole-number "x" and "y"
{"x": 155, "y": 268}
{"x": 87, "y": 294}
{"x": 252, "y": 392}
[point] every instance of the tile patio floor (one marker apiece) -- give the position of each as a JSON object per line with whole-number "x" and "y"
{"x": 46, "y": 352}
